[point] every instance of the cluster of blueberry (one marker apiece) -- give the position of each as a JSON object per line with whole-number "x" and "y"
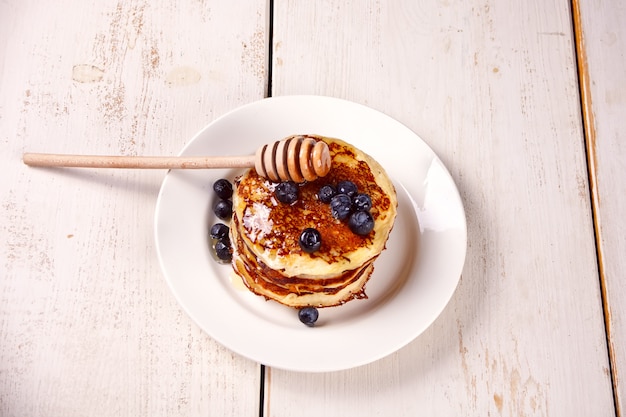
{"x": 347, "y": 203}
{"x": 224, "y": 206}
{"x": 222, "y": 209}
{"x": 221, "y": 242}
{"x": 285, "y": 192}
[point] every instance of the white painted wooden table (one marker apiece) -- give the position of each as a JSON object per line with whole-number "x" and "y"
{"x": 523, "y": 101}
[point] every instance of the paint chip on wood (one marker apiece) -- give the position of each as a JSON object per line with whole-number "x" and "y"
{"x": 85, "y": 73}
{"x": 182, "y": 76}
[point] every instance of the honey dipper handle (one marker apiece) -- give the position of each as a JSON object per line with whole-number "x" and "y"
{"x": 140, "y": 162}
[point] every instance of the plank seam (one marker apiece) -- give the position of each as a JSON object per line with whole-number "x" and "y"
{"x": 263, "y": 401}
{"x": 589, "y": 134}
{"x": 262, "y": 391}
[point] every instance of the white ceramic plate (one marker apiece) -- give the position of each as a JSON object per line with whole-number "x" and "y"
{"x": 413, "y": 279}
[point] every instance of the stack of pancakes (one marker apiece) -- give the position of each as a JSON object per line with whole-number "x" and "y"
{"x": 265, "y": 233}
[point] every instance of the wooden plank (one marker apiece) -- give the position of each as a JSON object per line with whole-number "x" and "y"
{"x": 87, "y": 323}
{"x": 492, "y": 87}
{"x": 601, "y": 49}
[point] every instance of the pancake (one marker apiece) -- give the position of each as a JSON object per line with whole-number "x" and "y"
{"x": 297, "y": 292}
{"x": 265, "y": 233}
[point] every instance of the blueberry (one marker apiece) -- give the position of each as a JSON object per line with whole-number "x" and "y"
{"x": 346, "y": 187}
{"x": 361, "y": 222}
{"x": 219, "y": 231}
{"x": 223, "y": 249}
{"x": 286, "y": 192}
{"x": 310, "y": 240}
{"x": 361, "y": 202}
{"x": 340, "y": 206}
{"x": 223, "y": 188}
{"x": 223, "y": 209}
{"x": 308, "y": 315}
{"x": 326, "y": 193}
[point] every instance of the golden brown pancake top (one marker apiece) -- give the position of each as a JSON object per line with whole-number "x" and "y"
{"x": 288, "y": 221}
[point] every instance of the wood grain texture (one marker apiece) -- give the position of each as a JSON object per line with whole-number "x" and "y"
{"x": 492, "y": 87}
{"x": 88, "y": 325}
{"x": 602, "y": 53}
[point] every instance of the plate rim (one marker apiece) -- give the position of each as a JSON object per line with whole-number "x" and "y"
{"x": 317, "y": 99}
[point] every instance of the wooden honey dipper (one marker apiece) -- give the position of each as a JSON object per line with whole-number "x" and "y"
{"x": 296, "y": 158}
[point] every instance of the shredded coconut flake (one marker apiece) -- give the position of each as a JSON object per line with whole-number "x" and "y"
{"x": 271, "y": 186}
{"x": 257, "y": 221}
